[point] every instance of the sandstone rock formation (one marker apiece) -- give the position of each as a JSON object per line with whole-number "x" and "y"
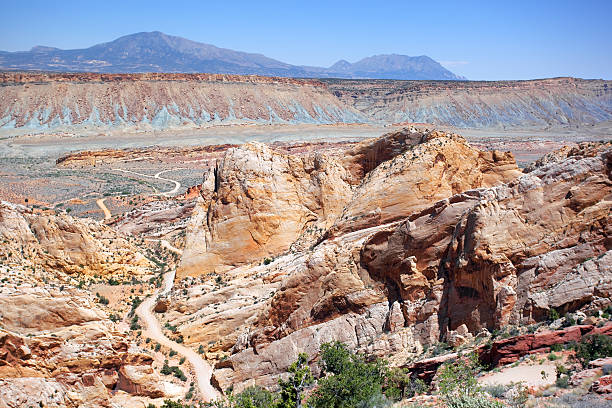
{"x": 257, "y": 202}
{"x": 497, "y": 251}
{"x": 59, "y": 350}
{"x": 64, "y": 243}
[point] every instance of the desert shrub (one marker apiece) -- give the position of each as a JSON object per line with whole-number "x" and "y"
{"x": 471, "y": 401}
{"x": 593, "y": 347}
{"x": 573, "y": 400}
{"x": 174, "y": 370}
{"x": 172, "y": 404}
{"x": 569, "y": 320}
{"x": 518, "y": 395}
{"x": 353, "y": 382}
{"x": 607, "y": 369}
{"x": 134, "y": 324}
{"x": 291, "y": 389}
{"x": 439, "y": 348}
{"x": 562, "y": 381}
{"x": 553, "y": 315}
{"x": 255, "y": 397}
{"x": 459, "y": 387}
{"x": 459, "y": 377}
{"x": 496, "y": 390}
{"x": 556, "y": 347}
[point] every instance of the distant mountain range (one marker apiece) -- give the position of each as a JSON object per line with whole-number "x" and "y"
{"x": 159, "y": 52}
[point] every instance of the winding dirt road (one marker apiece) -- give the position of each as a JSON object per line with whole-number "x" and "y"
{"x": 107, "y": 213}
{"x": 157, "y": 176}
{"x": 202, "y": 370}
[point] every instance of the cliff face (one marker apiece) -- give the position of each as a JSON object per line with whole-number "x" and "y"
{"x": 163, "y": 101}
{"x": 257, "y": 202}
{"x": 502, "y": 248}
{"x": 48, "y": 102}
{"x": 478, "y": 104}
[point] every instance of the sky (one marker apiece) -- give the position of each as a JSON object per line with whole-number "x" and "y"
{"x": 488, "y": 40}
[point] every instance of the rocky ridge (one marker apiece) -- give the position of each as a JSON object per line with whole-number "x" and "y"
{"x": 500, "y": 249}
{"x": 59, "y": 349}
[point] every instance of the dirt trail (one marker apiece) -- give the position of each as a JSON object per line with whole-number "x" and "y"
{"x": 107, "y": 213}
{"x": 157, "y": 176}
{"x": 202, "y": 370}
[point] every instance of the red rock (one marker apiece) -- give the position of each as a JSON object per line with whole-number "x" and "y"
{"x": 603, "y": 385}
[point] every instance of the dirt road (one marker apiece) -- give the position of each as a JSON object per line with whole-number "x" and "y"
{"x": 107, "y": 213}
{"x": 157, "y": 176}
{"x": 202, "y": 370}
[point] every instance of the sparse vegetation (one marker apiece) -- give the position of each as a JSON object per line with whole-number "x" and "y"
{"x": 593, "y": 347}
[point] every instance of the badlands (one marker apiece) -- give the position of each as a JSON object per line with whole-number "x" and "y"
{"x": 171, "y": 237}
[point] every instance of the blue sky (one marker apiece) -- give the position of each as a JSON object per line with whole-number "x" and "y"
{"x": 478, "y": 39}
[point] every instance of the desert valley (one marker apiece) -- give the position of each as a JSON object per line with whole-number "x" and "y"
{"x": 303, "y": 237}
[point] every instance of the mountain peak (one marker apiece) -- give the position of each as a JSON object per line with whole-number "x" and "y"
{"x": 43, "y": 48}
{"x": 155, "y": 51}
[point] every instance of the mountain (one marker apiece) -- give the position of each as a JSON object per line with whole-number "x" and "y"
{"x": 159, "y": 52}
{"x": 394, "y": 66}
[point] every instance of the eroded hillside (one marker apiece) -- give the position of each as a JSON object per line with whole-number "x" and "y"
{"x": 151, "y": 102}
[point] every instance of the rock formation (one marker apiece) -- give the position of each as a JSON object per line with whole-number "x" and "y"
{"x": 58, "y": 349}
{"x": 257, "y": 202}
{"x": 64, "y": 243}
{"x": 499, "y": 249}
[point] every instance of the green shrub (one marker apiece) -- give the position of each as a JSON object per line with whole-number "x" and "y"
{"x": 291, "y": 389}
{"x": 556, "y": 347}
{"x": 255, "y": 397}
{"x": 134, "y": 325}
{"x": 562, "y": 381}
{"x": 592, "y": 347}
{"x": 553, "y": 315}
{"x": 353, "y": 381}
